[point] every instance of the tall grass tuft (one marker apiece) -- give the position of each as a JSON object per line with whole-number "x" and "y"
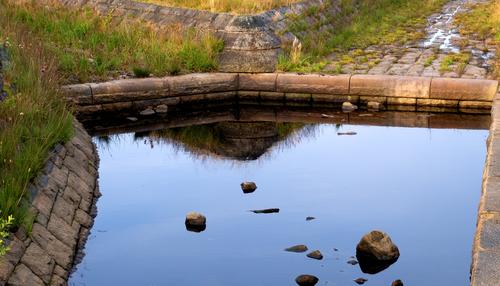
{"x": 229, "y": 6}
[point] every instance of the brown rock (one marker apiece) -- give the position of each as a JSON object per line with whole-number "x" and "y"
{"x": 360, "y": 281}
{"x": 297, "y": 248}
{"x": 195, "y": 222}
{"x": 315, "y": 255}
{"x": 39, "y": 262}
{"x": 397, "y": 283}
{"x": 248, "y": 187}
{"x": 376, "y": 252}
{"x": 306, "y": 280}
{"x": 23, "y": 276}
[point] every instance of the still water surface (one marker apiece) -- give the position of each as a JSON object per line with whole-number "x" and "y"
{"x": 421, "y": 186}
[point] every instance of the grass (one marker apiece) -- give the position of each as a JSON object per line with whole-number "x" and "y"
{"x": 230, "y": 6}
{"x": 49, "y": 45}
{"x": 360, "y": 24}
{"x": 33, "y": 119}
{"x": 483, "y": 23}
{"x": 459, "y": 61}
{"x": 90, "y": 47}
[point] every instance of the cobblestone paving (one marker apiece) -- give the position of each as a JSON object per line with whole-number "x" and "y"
{"x": 442, "y": 52}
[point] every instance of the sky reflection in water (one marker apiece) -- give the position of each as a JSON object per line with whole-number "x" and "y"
{"x": 421, "y": 186}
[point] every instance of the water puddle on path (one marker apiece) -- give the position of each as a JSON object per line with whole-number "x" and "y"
{"x": 419, "y": 185}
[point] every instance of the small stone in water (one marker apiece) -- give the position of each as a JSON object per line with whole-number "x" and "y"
{"x": 373, "y": 105}
{"x": 248, "y": 187}
{"x": 310, "y": 218}
{"x": 347, "y": 133}
{"x": 133, "y": 119}
{"x": 195, "y": 222}
{"x": 315, "y": 255}
{"x": 297, "y": 248}
{"x": 348, "y": 107}
{"x": 397, "y": 283}
{"x": 306, "y": 280}
{"x": 266, "y": 211}
{"x": 360, "y": 281}
{"x": 146, "y": 112}
{"x": 162, "y": 108}
{"x": 335, "y": 249}
{"x": 352, "y": 262}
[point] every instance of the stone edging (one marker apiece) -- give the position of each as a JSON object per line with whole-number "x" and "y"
{"x": 485, "y": 270}
{"x": 63, "y": 200}
{"x": 158, "y": 93}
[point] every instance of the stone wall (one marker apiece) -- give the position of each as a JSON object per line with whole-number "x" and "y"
{"x": 485, "y": 269}
{"x": 157, "y": 95}
{"x": 63, "y": 200}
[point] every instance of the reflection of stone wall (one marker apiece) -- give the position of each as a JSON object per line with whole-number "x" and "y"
{"x": 63, "y": 200}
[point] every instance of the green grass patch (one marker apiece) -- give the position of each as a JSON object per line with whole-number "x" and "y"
{"x": 230, "y": 6}
{"x": 483, "y": 23}
{"x": 361, "y": 24}
{"x": 91, "y": 47}
{"x": 459, "y": 61}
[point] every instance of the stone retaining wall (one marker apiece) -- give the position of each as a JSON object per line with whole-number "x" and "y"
{"x": 158, "y": 94}
{"x": 63, "y": 200}
{"x": 485, "y": 269}
{"x": 251, "y": 42}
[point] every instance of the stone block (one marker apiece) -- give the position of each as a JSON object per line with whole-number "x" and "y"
{"x": 390, "y": 86}
{"x": 466, "y": 104}
{"x": 365, "y": 99}
{"x": 272, "y": 96}
{"x": 188, "y": 99}
{"x": 129, "y": 89}
{"x": 203, "y": 83}
{"x": 38, "y": 261}
{"x": 437, "y": 102}
{"x": 401, "y": 101}
{"x": 64, "y": 209}
{"x": 221, "y": 96}
{"x": 313, "y": 83}
{"x": 491, "y": 191}
{"x": 23, "y": 276}
{"x": 63, "y": 231}
{"x": 298, "y": 97}
{"x": 79, "y": 94}
{"x": 251, "y": 41}
{"x": 334, "y": 98}
{"x": 485, "y": 267}
{"x": 463, "y": 89}
{"x": 249, "y": 95}
{"x": 258, "y": 82}
{"x": 116, "y": 107}
{"x": 258, "y": 61}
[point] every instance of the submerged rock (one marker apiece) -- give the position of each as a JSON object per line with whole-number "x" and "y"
{"x": 376, "y": 252}
{"x": 352, "y": 262}
{"x": 360, "y": 281}
{"x": 350, "y": 133}
{"x": 147, "y": 111}
{"x": 306, "y": 280}
{"x": 397, "y": 283}
{"x": 315, "y": 255}
{"x": 348, "y": 107}
{"x": 162, "y": 108}
{"x": 297, "y": 248}
{"x": 266, "y": 211}
{"x": 195, "y": 222}
{"x": 248, "y": 187}
{"x": 310, "y": 218}
{"x": 373, "y": 105}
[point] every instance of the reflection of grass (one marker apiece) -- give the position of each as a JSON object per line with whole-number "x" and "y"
{"x": 359, "y": 25}
{"x": 233, "y": 6}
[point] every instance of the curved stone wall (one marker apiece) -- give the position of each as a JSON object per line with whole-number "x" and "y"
{"x": 157, "y": 95}
{"x": 63, "y": 200}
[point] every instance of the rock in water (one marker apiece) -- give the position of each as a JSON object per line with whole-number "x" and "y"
{"x": 297, "y": 248}
{"x": 376, "y": 252}
{"x": 162, "y": 108}
{"x": 348, "y": 107}
{"x": 315, "y": 255}
{"x": 373, "y": 105}
{"x": 352, "y": 262}
{"x": 306, "y": 280}
{"x": 310, "y": 218}
{"x": 248, "y": 187}
{"x": 196, "y": 222}
{"x": 360, "y": 281}
{"x": 266, "y": 211}
{"x": 397, "y": 283}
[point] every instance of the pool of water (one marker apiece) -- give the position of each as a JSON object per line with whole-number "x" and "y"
{"x": 421, "y": 186}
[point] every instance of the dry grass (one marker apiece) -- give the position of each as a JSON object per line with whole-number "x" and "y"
{"x": 229, "y": 6}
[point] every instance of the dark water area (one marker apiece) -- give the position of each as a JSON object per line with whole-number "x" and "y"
{"x": 420, "y": 185}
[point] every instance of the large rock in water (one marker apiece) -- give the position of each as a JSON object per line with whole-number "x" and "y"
{"x": 248, "y": 187}
{"x": 376, "y": 252}
{"x": 306, "y": 280}
{"x": 196, "y": 222}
